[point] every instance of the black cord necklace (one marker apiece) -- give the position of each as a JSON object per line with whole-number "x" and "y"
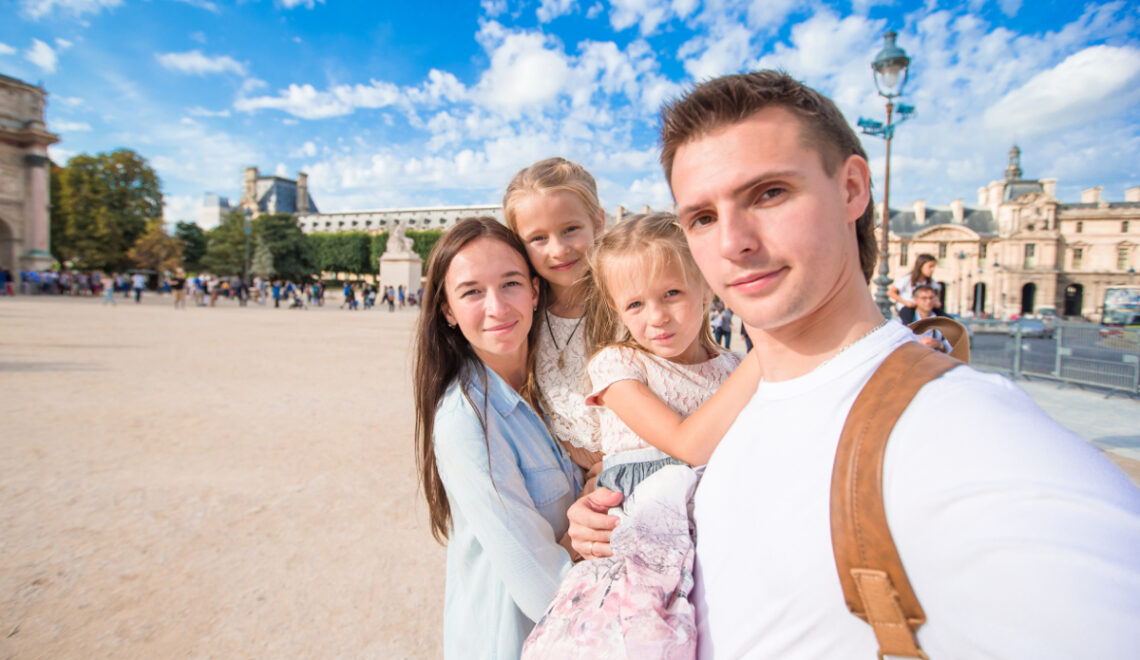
{"x": 549, "y": 329}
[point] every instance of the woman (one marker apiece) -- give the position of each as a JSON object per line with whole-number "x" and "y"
{"x": 902, "y": 291}
{"x": 497, "y": 484}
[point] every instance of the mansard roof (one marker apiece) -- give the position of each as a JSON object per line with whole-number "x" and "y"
{"x": 980, "y": 221}
{"x": 277, "y": 194}
{"x": 1095, "y": 205}
{"x": 1015, "y": 189}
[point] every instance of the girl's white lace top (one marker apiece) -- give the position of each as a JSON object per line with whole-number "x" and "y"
{"x": 564, "y": 390}
{"x": 682, "y": 387}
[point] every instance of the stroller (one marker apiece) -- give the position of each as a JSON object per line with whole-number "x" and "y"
{"x": 298, "y": 302}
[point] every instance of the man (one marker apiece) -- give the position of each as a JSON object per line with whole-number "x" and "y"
{"x": 924, "y": 300}
{"x": 1018, "y": 537}
{"x": 178, "y": 286}
{"x": 138, "y": 282}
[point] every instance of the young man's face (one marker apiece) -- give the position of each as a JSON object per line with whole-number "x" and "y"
{"x": 772, "y": 232}
{"x": 924, "y": 301}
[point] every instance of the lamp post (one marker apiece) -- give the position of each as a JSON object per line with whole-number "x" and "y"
{"x": 248, "y": 227}
{"x": 891, "y": 70}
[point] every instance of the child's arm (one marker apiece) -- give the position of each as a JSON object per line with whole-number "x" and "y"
{"x": 691, "y": 439}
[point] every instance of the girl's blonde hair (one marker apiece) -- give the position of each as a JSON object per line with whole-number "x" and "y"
{"x": 549, "y": 176}
{"x": 658, "y": 239}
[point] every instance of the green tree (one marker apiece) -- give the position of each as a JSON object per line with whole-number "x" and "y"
{"x": 344, "y": 252}
{"x": 292, "y": 255}
{"x": 132, "y": 193}
{"x": 155, "y": 249}
{"x": 262, "y": 263}
{"x": 225, "y": 246}
{"x": 193, "y": 244}
{"x": 100, "y": 206}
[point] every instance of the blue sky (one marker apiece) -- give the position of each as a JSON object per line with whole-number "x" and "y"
{"x": 417, "y": 103}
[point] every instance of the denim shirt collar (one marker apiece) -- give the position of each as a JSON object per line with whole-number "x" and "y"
{"x": 501, "y": 395}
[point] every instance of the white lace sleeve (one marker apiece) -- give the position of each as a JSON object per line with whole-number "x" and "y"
{"x": 610, "y": 365}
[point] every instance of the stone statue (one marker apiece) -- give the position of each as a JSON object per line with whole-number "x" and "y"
{"x": 398, "y": 242}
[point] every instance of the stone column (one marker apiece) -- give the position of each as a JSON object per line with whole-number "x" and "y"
{"x": 36, "y": 208}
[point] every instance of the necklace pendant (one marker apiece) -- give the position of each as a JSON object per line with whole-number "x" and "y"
{"x": 561, "y": 362}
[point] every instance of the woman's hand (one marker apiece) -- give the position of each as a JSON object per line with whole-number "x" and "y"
{"x": 590, "y": 525}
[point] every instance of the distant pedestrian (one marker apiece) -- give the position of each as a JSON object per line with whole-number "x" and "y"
{"x": 109, "y": 295}
{"x": 276, "y": 289}
{"x": 138, "y": 283}
{"x": 745, "y": 337}
{"x": 391, "y": 293}
{"x": 400, "y": 296}
{"x": 178, "y": 288}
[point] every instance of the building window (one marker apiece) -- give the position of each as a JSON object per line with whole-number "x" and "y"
{"x": 1030, "y": 255}
{"x": 983, "y": 250}
{"x": 1078, "y": 257}
{"x": 1123, "y": 226}
{"x": 941, "y": 250}
{"x": 1121, "y": 258}
{"x": 904, "y": 253}
{"x": 1080, "y": 226}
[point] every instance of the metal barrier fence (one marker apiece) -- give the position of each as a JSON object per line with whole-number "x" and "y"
{"x": 1076, "y": 353}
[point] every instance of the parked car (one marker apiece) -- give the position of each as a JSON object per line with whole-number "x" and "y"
{"x": 1031, "y": 328}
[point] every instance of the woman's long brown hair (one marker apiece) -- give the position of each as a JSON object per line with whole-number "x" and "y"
{"x": 916, "y": 276}
{"x": 442, "y": 353}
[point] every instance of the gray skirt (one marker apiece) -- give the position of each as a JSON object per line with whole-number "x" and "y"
{"x": 625, "y": 471}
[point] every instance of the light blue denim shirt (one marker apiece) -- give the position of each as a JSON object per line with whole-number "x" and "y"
{"x": 508, "y": 494}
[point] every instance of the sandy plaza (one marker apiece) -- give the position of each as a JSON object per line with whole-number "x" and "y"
{"x": 227, "y": 482}
{"x": 219, "y": 482}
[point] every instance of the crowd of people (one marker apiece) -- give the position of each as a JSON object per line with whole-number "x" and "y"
{"x": 612, "y": 482}
{"x": 202, "y": 289}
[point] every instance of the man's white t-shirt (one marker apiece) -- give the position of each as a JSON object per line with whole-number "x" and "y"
{"x": 1020, "y": 539}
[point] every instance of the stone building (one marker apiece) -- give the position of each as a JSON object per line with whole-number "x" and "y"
{"x": 380, "y": 220}
{"x": 25, "y": 227}
{"x": 1021, "y": 250}
{"x": 275, "y": 194}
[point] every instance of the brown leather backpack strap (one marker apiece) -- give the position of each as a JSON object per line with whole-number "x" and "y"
{"x": 952, "y": 330}
{"x": 874, "y": 582}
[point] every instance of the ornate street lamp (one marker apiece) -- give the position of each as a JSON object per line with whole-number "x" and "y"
{"x": 891, "y": 69}
{"x": 248, "y": 227}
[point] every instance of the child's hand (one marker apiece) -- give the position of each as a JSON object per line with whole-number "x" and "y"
{"x": 590, "y": 525}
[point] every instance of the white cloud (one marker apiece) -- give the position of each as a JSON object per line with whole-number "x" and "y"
{"x": 65, "y": 126}
{"x": 62, "y": 44}
{"x": 5, "y": 49}
{"x": 69, "y": 101}
{"x": 306, "y": 102}
{"x": 41, "y": 55}
{"x": 549, "y": 10}
{"x": 524, "y": 72}
{"x": 198, "y": 36}
{"x": 181, "y": 208}
{"x": 493, "y": 8}
{"x": 1010, "y": 7}
{"x": 1093, "y": 83}
{"x": 307, "y": 4}
{"x": 308, "y": 149}
{"x": 36, "y": 9}
{"x": 194, "y": 62}
{"x": 726, "y": 51}
{"x": 203, "y": 112}
{"x": 203, "y": 4}
{"x": 648, "y": 15}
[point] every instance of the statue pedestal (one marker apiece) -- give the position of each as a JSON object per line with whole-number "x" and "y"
{"x": 401, "y": 268}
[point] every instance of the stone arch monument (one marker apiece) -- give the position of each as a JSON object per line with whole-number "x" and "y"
{"x": 25, "y": 237}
